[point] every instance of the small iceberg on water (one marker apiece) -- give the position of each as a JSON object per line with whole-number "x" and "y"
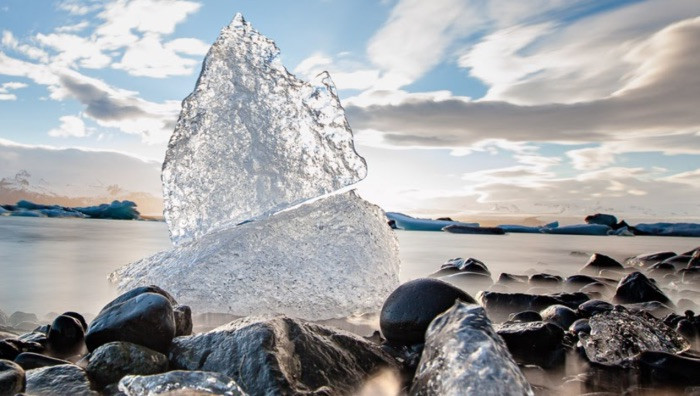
{"x": 251, "y": 184}
{"x": 117, "y": 210}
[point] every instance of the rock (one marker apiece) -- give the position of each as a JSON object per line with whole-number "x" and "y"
{"x": 79, "y": 317}
{"x": 180, "y": 381}
{"x": 124, "y": 297}
{"x": 8, "y": 351}
{"x": 686, "y": 328}
{"x": 560, "y": 315}
{"x": 679, "y": 261}
{"x": 537, "y": 343}
{"x": 11, "y": 347}
{"x": 34, "y": 337}
{"x": 599, "y": 262}
{"x": 282, "y": 356}
{"x": 500, "y": 305}
{"x": 66, "y": 379}
{"x": 112, "y": 361}
{"x": 66, "y": 333}
{"x": 525, "y": 316}
{"x": 459, "y": 264}
{"x": 183, "y": 320}
{"x": 690, "y": 275}
{"x": 506, "y": 278}
{"x": 601, "y": 218}
{"x": 636, "y": 288}
{"x": 464, "y": 355}
{"x": 662, "y": 268}
{"x": 580, "y": 326}
{"x": 545, "y": 280}
{"x": 32, "y": 360}
{"x": 593, "y": 307}
{"x": 19, "y": 317}
{"x": 655, "y": 308}
{"x": 669, "y": 368}
{"x": 619, "y": 335}
{"x": 648, "y": 259}
{"x": 146, "y": 319}
{"x": 12, "y": 378}
{"x": 410, "y": 308}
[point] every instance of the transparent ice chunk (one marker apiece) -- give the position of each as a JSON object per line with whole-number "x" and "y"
{"x": 330, "y": 258}
{"x": 464, "y": 355}
{"x": 619, "y": 335}
{"x": 252, "y": 139}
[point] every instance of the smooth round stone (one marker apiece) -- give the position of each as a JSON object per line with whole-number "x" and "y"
{"x": 545, "y": 279}
{"x": 560, "y": 315}
{"x": 599, "y": 262}
{"x": 525, "y": 316}
{"x": 12, "y": 379}
{"x": 593, "y": 307}
{"x": 410, "y": 308}
{"x": 637, "y": 288}
{"x": 580, "y": 326}
{"x": 66, "y": 333}
{"x": 79, "y": 317}
{"x": 146, "y": 319}
{"x": 112, "y": 361}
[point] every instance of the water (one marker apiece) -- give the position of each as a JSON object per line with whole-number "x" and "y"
{"x": 55, "y": 265}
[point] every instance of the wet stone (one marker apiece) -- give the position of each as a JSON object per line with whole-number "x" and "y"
{"x": 539, "y": 343}
{"x": 580, "y": 326}
{"x": 112, "y": 361}
{"x": 183, "y": 320}
{"x": 637, "y": 288}
{"x": 64, "y": 379}
{"x": 599, "y": 262}
{"x": 31, "y": 360}
{"x": 12, "y": 378}
{"x": 500, "y": 305}
{"x": 592, "y": 307}
{"x": 560, "y": 315}
{"x": 410, "y": 308}
{"x": 648, "y": 259}
{"x": 525, "y": 316}
{"x": 669, "y": 368}
{"x": 66, "y": 333}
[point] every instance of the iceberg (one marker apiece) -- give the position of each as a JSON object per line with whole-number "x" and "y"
{"x": 405, "y": 222}
{"x": 252, "y": 139}
{"x": 463, "y": 355}
{"x": 669, "y": 229}
{"x": 579, "y": 229}
{"x": 516, "y": 228}
{"x": 118, "y": 210}
{"x": 251, "y": 142}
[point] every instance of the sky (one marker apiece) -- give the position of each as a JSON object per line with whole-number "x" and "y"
{"x": 463, "y": 108}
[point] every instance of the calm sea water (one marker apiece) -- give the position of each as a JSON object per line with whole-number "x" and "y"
{"x": 55, "y": 265}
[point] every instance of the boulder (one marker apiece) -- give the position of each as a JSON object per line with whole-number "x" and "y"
{"x": 525, "y": 316}
{"x": 180, "y": 382}
{"x": 648, "y": 259}
{"x": 183, "y": 320}
{"x": 464, "y": 355}
{"x": 112, "y": 361}
{"x": 669, "y": 368}
{"x": 11, "y": 347}
{"x": 65, "y": 379}
{"x": 599, "y": 262}
{"x": 539, "y": 343}
{"x": 146, "y": 319}
{"x": 12, "y": 378}
{"x": 637, "y": 288}
{"x": 66, "y": 333}
{"x": 500, "y": 305}
{"x": 410, "y": 308}
{"x": 79, "y": 317}
{"x": 593, "y": 307}
{"x": 545, "y": 280}
{"x": 282, "y": 356}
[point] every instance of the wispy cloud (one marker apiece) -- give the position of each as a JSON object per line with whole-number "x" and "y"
{"x": 6, "y": 88}
{"x": 71, "y": 126}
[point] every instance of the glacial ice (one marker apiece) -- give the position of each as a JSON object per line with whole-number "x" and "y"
{"x": 619, "y": 335}
{"x": 330, "y": 258}
{"x": 409, "y": 223}
{"x": 579, "y": 229}
{"x": 516, "y": 228}
{"x": 463, "y": 355}
{"x": 670, "y": 229}
{"x": 118, "y": 210}
{"x": 252, "y": 139}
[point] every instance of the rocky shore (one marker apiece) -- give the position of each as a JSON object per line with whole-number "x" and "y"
{"x": 613, "y": 327}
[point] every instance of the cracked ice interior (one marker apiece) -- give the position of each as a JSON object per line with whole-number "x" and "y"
{"x": 253, "y": 140}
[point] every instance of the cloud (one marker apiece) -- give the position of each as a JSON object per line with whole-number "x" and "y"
{"x": 660, "y": 99}
{"x": 5, "y": 89}
{"x": 9, "y": 41}
{"x": 77, "y": 27}
{"x": 346, "y": 74}
{"x": 150, "y": 58}
{"x": 74, "y": 51}
{"x": 77, "y": 7}
{"x": 71, "y": 126}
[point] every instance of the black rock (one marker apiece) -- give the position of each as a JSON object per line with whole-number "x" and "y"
{"x": 662, "y": 268}
{"x": 146, "y": 319}
{"x": 79, "y": 317}
{"x": 560, "y": 315}
{"x": 580, "y": 326}
{"x": 32, "y": 360}
{"x": 459, "y": 265}
{"x": 8, "y": 351}
{"x": 599, "y": 262}
{"x": 669, "y": 368}
{"x": 649, "y": 259}
{"x": 525, "y": 316}
{"x": 112, "y": 361}
{"x": 679, "y": 261}
{"x": 506, "y": 279}
{"x": 686, "y": 328}
{"x": 636, "y": 288}
{"x": 34, "y": 337}
{"x": 137, "y": 291}
{"x": 12, "y": 378}
{"x": 575, "y": 282}
{"x": 545, "y": 279}
{"x": 694, "y": 259}
{"x": 183, "y": 320}
{"x": 690, "y": 275}
{"x": 592, "y": 307}
{"x": 537, "y": 343}
{"x": 500, "y": 305}
{"x": 181, "y": 383}
{"x": 66, "y": 333}
{"x": 282, "y": 356}
{"x": 66, "y": 379}
{"x": 11, "y": 347}
{"x": 410, "y": 308}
